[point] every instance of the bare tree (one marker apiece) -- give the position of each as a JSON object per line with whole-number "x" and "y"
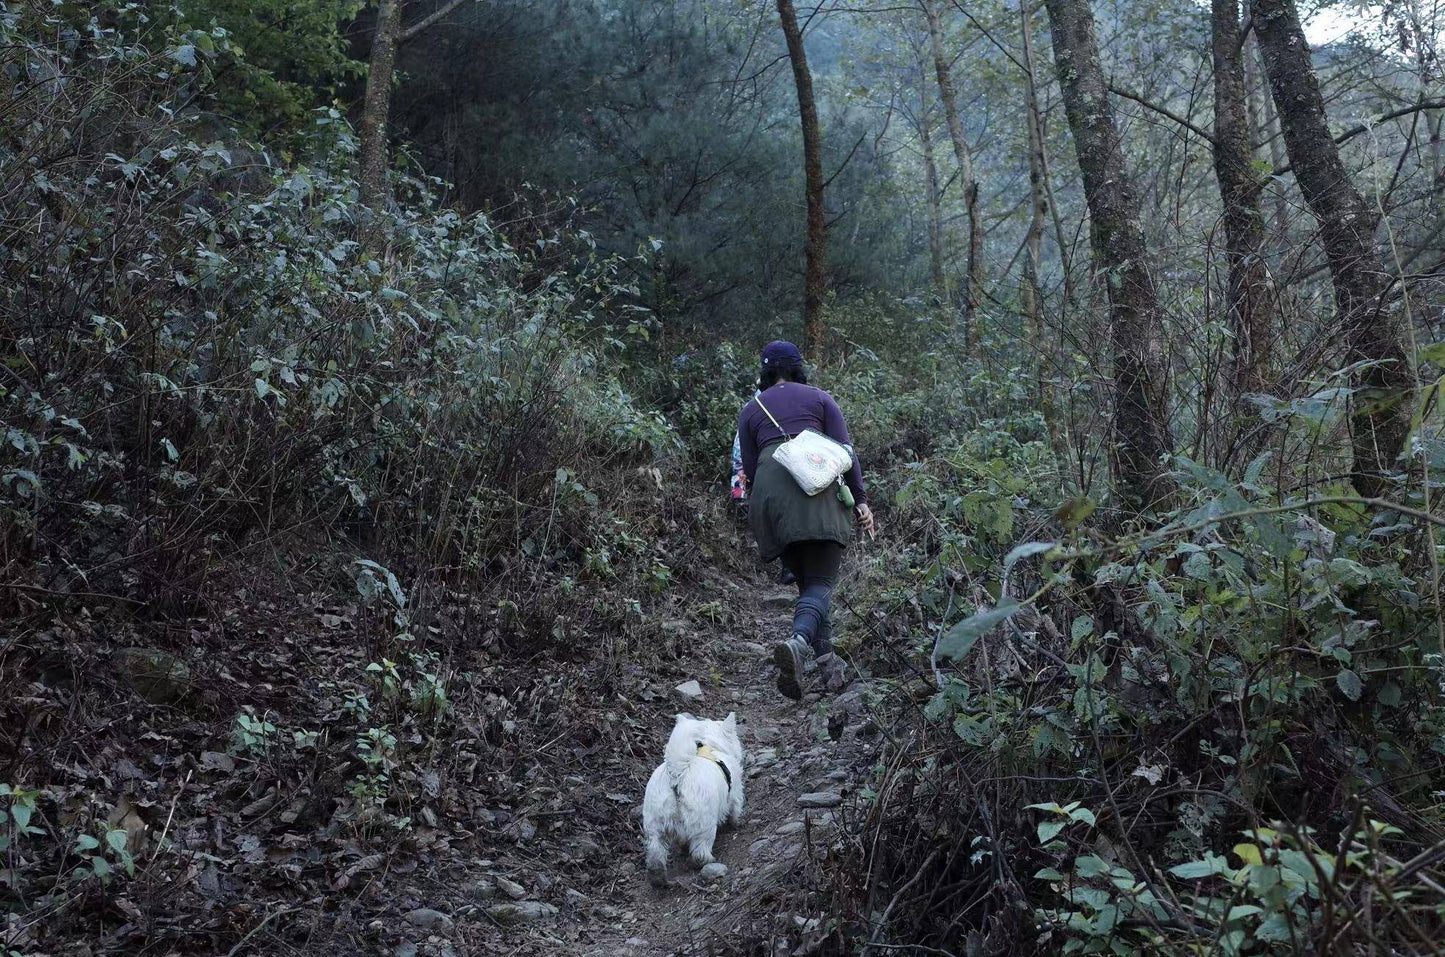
{"x": 1247, "y": 296}
{"x": 933, "y": 193}
{"x": 376, "y": 106}
{"x": 1142, "y": 435}
{"x": 1031, "y": 293}
{"x": 1380, "y": 414}
{"x": 815, "y": 247}
{"x": 973, "y": 290}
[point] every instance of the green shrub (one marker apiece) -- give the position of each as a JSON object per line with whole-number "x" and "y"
{"x": 203, "y": 353}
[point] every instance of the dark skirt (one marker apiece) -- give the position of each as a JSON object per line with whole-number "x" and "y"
{"x": 781, "y": 513}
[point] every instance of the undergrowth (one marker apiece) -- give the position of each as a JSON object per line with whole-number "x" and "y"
{"x": 1216, "y": 731}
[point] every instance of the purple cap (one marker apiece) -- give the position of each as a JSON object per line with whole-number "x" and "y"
{"x": 781, "y": 355}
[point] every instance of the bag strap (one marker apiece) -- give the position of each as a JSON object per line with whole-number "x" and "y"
{"x": 759, "y": 400}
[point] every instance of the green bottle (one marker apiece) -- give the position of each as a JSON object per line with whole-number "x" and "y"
{"x": 845, "y": 494}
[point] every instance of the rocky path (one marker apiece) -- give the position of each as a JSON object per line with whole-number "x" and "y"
{"x": 561, "y": 872}
{"x": 803, "y": 760}
{"x": 578, "y": 887}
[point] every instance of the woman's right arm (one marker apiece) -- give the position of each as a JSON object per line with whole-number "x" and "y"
{"x": 748, "y": 444}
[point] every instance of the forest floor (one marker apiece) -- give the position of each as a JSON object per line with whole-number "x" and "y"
{"x": 803, "y": 764}
{"x": 522, "y": 833}
{"x": 765, "y": 904}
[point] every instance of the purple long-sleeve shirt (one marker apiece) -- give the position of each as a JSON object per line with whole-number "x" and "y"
{"x": 796, "y": 407}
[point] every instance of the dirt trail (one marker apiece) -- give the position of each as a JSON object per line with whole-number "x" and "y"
{"x": 759, "y": 905}
{"x": 763, "y": 904}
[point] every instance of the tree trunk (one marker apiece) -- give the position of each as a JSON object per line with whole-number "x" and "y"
{"x": 973, "y": 290}
{"x": 1380, "y": 410}
{"x": 815, "y": 248}
{"x": 376, "y": 108}
{"x": 1270, "y": 131}
{"x": 1247, "y": 296}
{"x": 1031, "y": 293}
{"x": 934, "y": 196}
{"x": 1142, "y": 434}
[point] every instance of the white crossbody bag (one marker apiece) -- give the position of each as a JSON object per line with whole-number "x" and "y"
{"x": 814, "y": 460}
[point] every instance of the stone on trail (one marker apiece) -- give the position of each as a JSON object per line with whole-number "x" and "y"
{"x": 820, "y": 799}
{"x": 766, "y": 735}
{"x": 520, "y": 912}
{"x": 713, "y": 871}
{"x": 792, "y": 827}
{"x": 689, "y": 692}
{"x": 156, "y": 676}
{"x": 425, "y": 918}
{"x": 511, "y": 888}
{"x": 779, "y": 600}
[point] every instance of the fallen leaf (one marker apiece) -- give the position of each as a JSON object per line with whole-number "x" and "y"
{"x": 217, "y": 761}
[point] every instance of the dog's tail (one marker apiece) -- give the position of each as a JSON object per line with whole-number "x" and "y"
{"x": 679, "y": 755}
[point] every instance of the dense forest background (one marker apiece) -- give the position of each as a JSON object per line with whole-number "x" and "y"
{"x": 369, "y": 376}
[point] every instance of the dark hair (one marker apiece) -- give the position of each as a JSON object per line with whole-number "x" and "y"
{"x": 773, "y": 375}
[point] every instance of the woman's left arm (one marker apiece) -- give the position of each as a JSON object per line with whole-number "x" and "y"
{"x": 835, "y": 427}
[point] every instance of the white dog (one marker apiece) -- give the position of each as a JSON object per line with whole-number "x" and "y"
{"x": 697, "y": 787}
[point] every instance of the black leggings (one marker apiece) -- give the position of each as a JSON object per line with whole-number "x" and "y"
{"x": 816, "y": 566}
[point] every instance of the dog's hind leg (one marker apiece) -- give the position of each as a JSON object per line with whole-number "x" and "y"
{"x": 656, "y": 859}
{"x": 701, "y": 843}
{"x": 735, "y": 804}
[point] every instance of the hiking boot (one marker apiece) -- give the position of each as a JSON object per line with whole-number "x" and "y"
{"x": 833, "y": 672}
{"x": 791, "y": 657}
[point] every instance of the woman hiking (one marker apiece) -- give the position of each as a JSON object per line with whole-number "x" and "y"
{"x": 808, "y": 532}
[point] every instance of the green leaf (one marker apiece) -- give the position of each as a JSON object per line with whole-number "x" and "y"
{"x": 85, "y": 843}
{"x": 1194, "y": 870}
{"x": 1074, "y": 511}
{"x": 1020, "y": 552}
{"x": 1048, "y": 830}
{"x": 1434, "y": 352}
{"x": 1083, "y": 814}
{"x": 1389, "y": 695}
{"x": 1350, "y": 684}
{"x": 116, "y": 839}
{"x": 1273, "y": 929}
{"x": 959, "y": 640}
{"x": 1048, "y": 874}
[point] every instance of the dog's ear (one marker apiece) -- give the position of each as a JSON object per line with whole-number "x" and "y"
{"x": 731, "y": 720}
{"x": 684, "y": 717}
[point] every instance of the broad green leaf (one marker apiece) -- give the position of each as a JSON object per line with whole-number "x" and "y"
{"x": 1027, "y": 549}
{"x": 1048, "y": 830}
{"x": 1350, "y": 684}
{"x": 1073, "y": 512}
{"x": 959, "y": 640}
{"x": 1193, "y": 870}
